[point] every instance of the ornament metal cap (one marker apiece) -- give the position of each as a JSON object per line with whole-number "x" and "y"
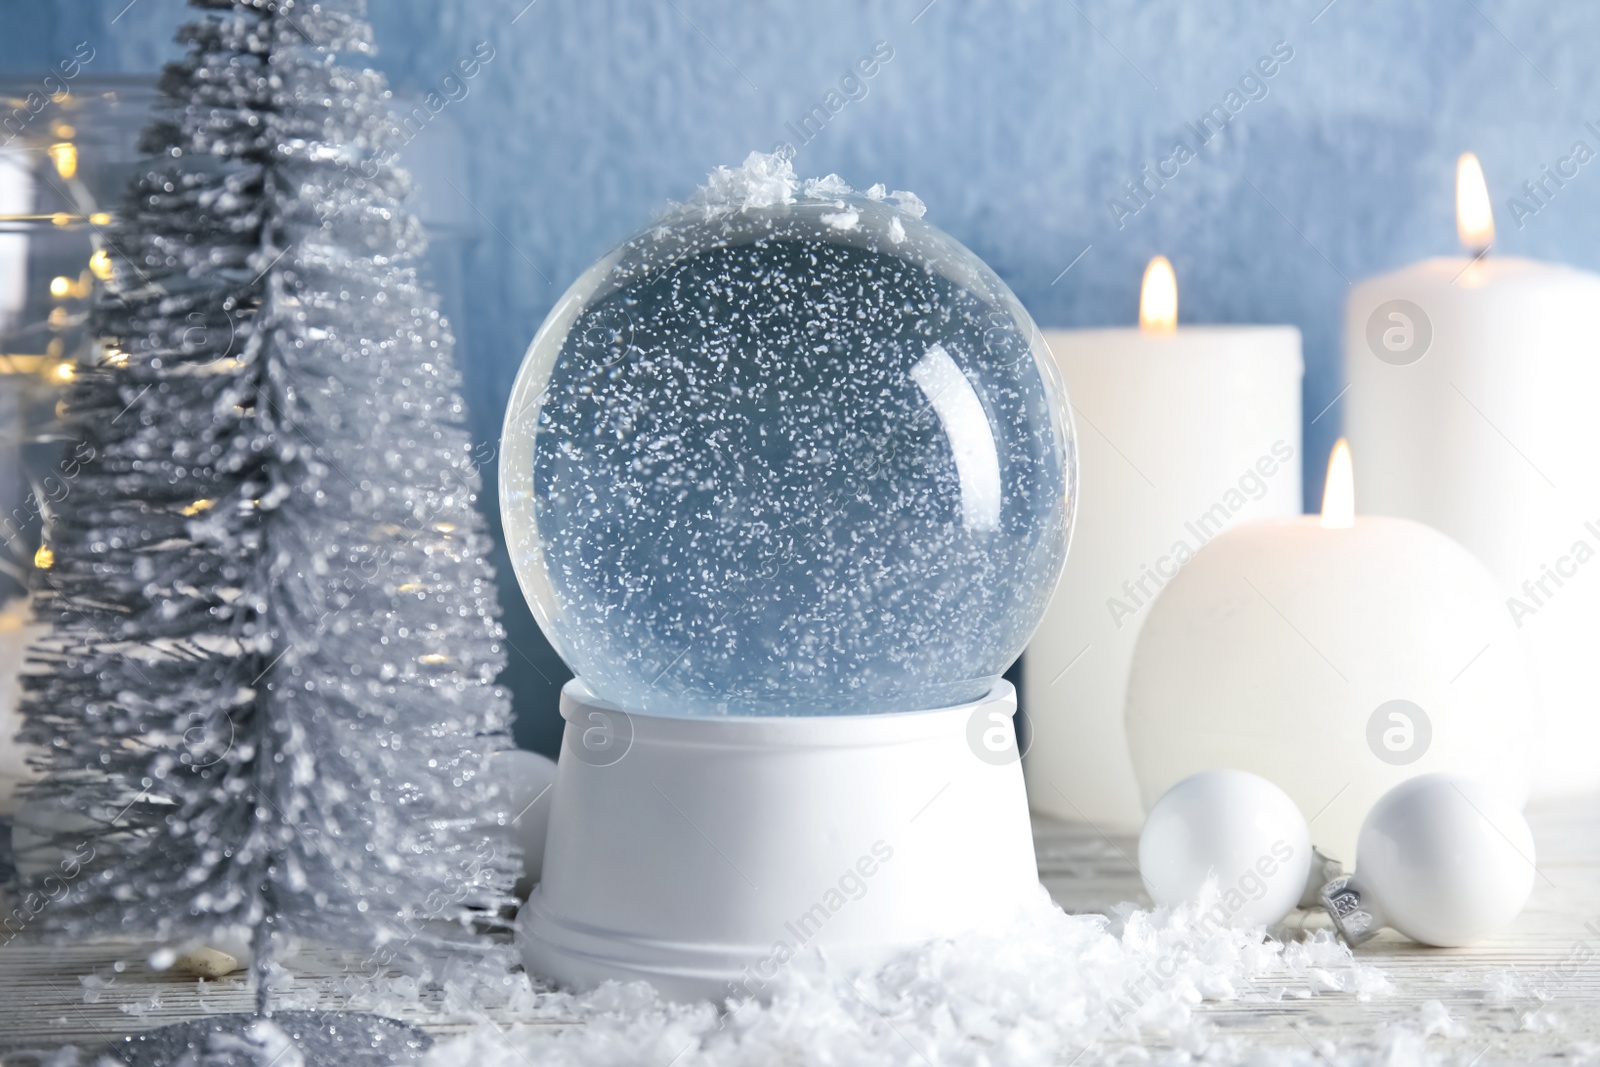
{"x": 1354, "y": 917}
{"x": 1323, "y": 870}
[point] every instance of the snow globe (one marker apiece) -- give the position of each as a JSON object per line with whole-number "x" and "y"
{"x": 788, "y": 480}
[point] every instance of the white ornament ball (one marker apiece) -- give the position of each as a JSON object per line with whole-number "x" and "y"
{"x": 1443, "y": 859}
{"x": 527, "y": 780}
{"x": 1236, "y": 826}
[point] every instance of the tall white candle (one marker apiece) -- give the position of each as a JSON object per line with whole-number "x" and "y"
{"x": 16, "y": 198}
{"x": 15, "y": 633}
{"x": 1474, "y": 383}
{"x": 1182, "y": 433}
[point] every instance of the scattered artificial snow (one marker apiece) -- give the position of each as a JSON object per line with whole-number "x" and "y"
{"x": 1543, "y": 1021}
{"x": 1048, "y": 989}
{"x": 1435, "y": 1019}
{"x": 143, "y": 1008}
{"x": 1506, "y": 987}
{"x": 844, "y": 220}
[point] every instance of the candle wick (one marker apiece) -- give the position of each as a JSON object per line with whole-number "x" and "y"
{"x": 1478, "y": 256}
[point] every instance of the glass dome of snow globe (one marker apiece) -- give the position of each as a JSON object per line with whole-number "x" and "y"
{"x": 791, "y": 450}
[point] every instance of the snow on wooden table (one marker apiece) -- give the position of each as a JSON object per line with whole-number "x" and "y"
{"x": 1531, "y": 994}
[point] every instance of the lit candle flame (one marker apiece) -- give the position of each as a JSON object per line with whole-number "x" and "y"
{"x": 1158, "y": 298}
{"x": 1474, "y": 216}
{"x": 1339, "y": 491}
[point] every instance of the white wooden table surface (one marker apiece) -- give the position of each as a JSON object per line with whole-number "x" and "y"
{"x": 1532, "y": 994}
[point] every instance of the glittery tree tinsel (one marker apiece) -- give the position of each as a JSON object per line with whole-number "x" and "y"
{"x": 268, "y": 700}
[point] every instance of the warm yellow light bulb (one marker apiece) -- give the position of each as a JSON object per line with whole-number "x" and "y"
{"x": 1339, "y": 491}
{"x": 44, "y": 559}
{"x": 64, "y": 154}
{"x": 1474, "y": 216}
{"x": 100, "y": 264}
{"x": 65, "y": 372}
{"x": 60, "y": 286}
{"x": 1158, "y": 298}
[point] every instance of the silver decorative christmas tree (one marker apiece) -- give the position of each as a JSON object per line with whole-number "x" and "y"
{"x": 268, "y": 702}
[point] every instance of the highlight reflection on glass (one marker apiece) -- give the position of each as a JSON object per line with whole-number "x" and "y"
{"x": 971, "y": 440}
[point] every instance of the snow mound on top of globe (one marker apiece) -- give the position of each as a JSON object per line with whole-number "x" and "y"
{"x": 767, "y": 179}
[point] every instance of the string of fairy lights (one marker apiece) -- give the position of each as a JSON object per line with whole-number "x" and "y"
{"x": 38, "y": 370}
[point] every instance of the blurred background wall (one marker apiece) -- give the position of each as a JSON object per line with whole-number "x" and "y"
{"x": 1019, "y": 123}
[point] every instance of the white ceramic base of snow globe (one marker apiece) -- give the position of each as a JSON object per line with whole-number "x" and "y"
{"x": 703, "y": 854}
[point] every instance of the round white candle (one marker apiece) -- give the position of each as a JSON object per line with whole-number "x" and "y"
{"x": 1336, "y": 657}
{"x": 1473, "y": 386}
{"x": 1182, "y": 433}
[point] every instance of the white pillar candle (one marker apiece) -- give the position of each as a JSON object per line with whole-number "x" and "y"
{"x": 1471, "y": 405}
{"x": 1182, "y": 433}
{"x": 16, "y": 631}
{"x": 1334, "y": 656}
{"x": 16, "y": 198}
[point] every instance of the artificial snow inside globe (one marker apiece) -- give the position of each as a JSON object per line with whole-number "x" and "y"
{"x": 788, "y": 480}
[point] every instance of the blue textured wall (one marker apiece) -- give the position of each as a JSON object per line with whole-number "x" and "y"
{"x": 1016, "y": 122}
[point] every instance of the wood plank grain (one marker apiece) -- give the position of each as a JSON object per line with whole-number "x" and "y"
{"x": 1532, "y": 993}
